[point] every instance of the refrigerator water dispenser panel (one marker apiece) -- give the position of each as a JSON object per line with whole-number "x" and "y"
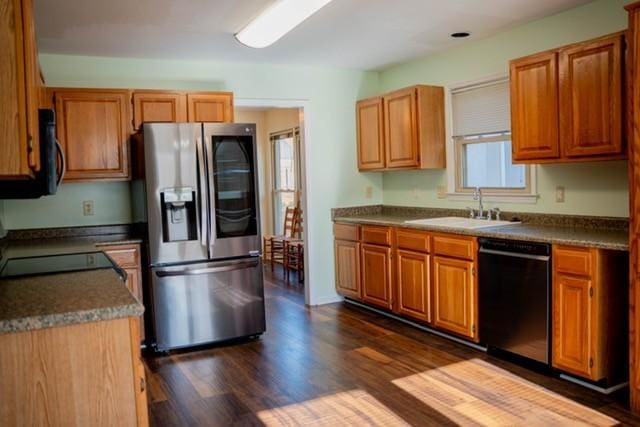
{"x": 179, "y": 215}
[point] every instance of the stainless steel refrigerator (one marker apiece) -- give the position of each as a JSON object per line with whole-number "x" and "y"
{"x": 201, "y": 186}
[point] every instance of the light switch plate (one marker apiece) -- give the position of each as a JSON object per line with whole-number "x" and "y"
{"x": 559, "y": 194}
{"x": 87, "y": 208}
{"x": 442, "y": 192}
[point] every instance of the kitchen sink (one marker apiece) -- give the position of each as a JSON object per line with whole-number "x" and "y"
{"x": 459, "y": 222}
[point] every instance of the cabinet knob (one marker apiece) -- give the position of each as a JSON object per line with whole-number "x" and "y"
{"x": 143, "y": 384}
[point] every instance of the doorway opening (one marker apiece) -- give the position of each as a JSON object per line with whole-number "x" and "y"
{"x": 281, "y": 176}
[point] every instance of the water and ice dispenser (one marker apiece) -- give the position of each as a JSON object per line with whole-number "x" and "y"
{"x": 179, "y": 214}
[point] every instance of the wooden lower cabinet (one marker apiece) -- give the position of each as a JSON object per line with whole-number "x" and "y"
{"x": 589, "y": 328}
{"x": 413, "y": 279}
{"x": 455, "y": 300}
{"x": 376, "y": 275}
{"x": 128, "y": 258}
{"x": 347, "y": 254}
{"x": 73, "y": 375}
{"x": 573, "y": 315}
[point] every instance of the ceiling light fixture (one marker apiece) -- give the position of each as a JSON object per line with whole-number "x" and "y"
{"x": 277, "y": 20}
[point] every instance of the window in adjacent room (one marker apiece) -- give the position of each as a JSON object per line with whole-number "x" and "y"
{"x": 482, "y": 141}
{"x": 286, "y": 174}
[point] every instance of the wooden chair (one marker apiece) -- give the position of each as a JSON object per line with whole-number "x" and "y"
{"x": 278, "y": 244}
{"x": 294, "y": 259}
{"x": 287, "y": 232}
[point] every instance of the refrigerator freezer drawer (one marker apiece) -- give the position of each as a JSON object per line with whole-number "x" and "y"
{"x": 204, "y": 303}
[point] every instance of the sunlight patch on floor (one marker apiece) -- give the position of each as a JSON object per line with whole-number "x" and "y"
{"x": 474, "y": 392}
{"x": 350, "y": 408}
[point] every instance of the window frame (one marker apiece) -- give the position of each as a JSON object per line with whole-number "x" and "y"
{"x": 274, "y": 137}
{"x": 460, "y": 142}
{"x": 455, "y": 192}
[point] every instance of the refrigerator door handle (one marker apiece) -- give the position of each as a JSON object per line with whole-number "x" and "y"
{"x": 212, "y": 191}
{"x": 202, "y": 193}
{"x": 196, "y": 271}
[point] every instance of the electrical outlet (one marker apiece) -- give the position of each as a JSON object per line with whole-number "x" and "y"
{"x": 415, "y": 193}
{"x": 368, "y": 192}
{"x": 442, "y": 192}
{"x": 559, "y": 194}
{"x": 87, "y": 208}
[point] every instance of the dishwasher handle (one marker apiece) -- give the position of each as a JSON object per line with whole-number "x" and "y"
{"x": 514, "y": 254}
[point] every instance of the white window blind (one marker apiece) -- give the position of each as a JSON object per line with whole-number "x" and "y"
{"x": 481, "y": 109}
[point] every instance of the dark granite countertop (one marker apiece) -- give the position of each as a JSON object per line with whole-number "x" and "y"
{"x": 579, "y": 233}
{"x": 51, "y": 300}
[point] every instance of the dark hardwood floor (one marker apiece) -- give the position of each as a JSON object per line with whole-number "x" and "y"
{"x": 342, "y": 365}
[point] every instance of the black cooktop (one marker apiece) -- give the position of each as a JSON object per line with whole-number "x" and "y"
{"x": 64, "y": 263}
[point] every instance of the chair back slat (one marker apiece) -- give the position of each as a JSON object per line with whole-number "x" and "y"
{"x": 289, "y": 221}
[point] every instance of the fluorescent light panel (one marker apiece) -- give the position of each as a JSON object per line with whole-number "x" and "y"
{"x": 276, "y": 21}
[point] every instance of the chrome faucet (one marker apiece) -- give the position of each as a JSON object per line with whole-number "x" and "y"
{"x": 477, "y": 195}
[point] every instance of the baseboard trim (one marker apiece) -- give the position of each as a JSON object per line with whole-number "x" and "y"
{"x": 594, "y": 387}
{"x": 418, "y": 326}
{"x": 329, "y": 299}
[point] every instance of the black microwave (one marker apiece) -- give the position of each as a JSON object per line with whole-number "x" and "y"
{"x": 51, "y": 171}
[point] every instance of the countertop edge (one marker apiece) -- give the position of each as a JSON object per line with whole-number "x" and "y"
{"x": 46, "y": 321}
{"x": 495, "y": 233}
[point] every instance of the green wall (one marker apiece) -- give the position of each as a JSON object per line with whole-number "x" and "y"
{"x": 590, "y": 189}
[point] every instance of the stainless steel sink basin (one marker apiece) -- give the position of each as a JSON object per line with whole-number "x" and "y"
{"x": 459, "y": 222}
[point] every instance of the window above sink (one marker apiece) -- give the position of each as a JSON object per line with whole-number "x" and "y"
{"x": 479, "y": 149}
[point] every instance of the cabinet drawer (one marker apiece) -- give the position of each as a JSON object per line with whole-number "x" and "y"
{"x": 124, "y": 256}
{"x": 376, "y": 235}
{"x": 346, "y": 232}
{"x": 571, "y": 260}
{"x": 454, "y": 246}
{"x": 413, "y": 240}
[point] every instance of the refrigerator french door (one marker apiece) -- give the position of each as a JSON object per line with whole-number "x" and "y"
{"x": 204, "y": 234}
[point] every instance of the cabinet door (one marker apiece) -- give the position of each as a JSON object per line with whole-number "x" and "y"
{"x": 210, "y": 107}
{"x": 134, "y": 283}
{"x": 159, "y": 107}
{"x": 18, "y": 132}
{"x": 376, "y": 275}
{"x": 93, "y": 128}
{"x": 572, "y": 322}
{"x": 369, "y": 122}
{"x": 591, "y": 98}
{"x": 414, "y": 285}
{"x": 401, "y": 129}
{"x": 32, "y": 84}
{"x": 347, "y": 266}
{"x": 534, "y": 107}
{"x": 455, "y": 296}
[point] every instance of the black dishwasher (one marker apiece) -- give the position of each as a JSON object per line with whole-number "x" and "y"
{"x": 515, "y": 297}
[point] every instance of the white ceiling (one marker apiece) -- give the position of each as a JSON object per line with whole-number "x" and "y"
{"x": 362, "y": 34}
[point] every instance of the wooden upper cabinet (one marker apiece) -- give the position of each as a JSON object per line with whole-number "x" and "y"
{"x": 534, "y": 107}
{"x": 93, "y": 127}
{"x": 19, "y": 91}
{"x": 591, "y": 97}
{"x": 567, "y": 104}
{"x": 455, "y": 300}
{"x": 210, "y": 107}
{"x": 401, "y": 130}
{"x": 158, "y": 107}
{"x": 376, "y": 275}
{"x": 370, "y": 133}
{"x": 413, "y": 285}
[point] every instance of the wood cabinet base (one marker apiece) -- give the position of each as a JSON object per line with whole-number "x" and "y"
{"x": 73, "y": 375}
